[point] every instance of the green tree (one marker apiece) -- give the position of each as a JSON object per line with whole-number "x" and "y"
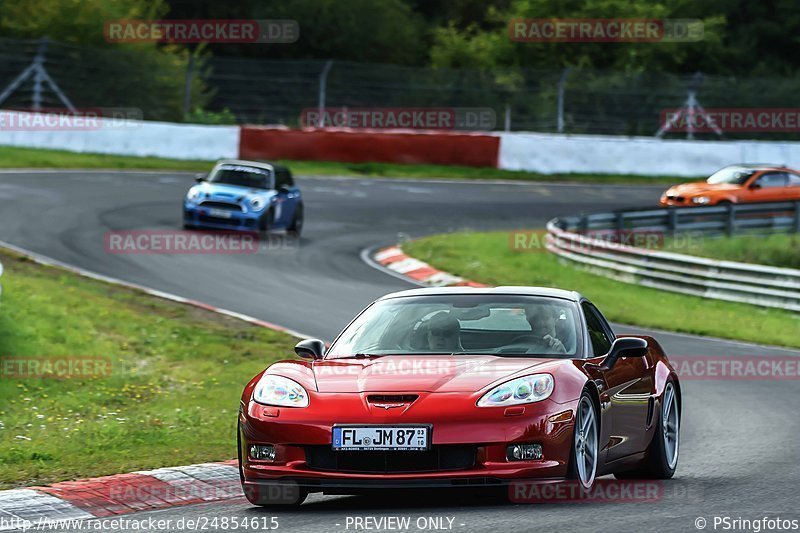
{"x": 99, "y": 73}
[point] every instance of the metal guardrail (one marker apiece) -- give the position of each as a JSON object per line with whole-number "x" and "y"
{"x": 581, "y": 239}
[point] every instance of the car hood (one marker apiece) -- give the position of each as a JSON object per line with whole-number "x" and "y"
{"x": 221, "y": 191}
{"x": 398, "y": 373}
{"x": 688, "y": 189}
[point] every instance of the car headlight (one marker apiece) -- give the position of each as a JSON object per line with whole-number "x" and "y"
{"x": 701, "y": 200}
{"x": 528, "y": 389}
{"x": 257, "y": 204}
{"x": 194, "y": 194}
{"x": 278, "y": 390}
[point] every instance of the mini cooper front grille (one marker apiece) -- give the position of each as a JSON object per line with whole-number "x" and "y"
{"x": 211, "y": 204}
{"x": 437, "y": 459}
{"x": 205, "y": 219}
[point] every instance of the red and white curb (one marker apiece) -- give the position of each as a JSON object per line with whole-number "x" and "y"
{"x": 397, "y": 262}
{"x": 102, "y": 497}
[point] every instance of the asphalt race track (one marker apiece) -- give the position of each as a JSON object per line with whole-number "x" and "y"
{"x": 739, "y": 452}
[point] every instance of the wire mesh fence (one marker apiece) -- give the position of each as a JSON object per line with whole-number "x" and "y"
{"x": 264, "y": 91}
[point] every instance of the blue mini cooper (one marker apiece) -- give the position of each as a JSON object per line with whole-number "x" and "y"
{"x": 245, "y": 196}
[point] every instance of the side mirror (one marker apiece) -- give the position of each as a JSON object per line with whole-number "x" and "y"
{"x": 755, "y": 186}
{"x": 283, "y": 189}
{"x": 199, "y": 178}
{"x": 310, "y": 349}
{"x": 625, "y": 347}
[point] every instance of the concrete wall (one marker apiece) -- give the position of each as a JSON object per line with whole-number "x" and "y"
{"x": 536, "y": 152}
{"x": 128, "y": 137}
{"x": 551, "y": 154}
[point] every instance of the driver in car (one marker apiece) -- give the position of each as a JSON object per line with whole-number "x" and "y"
{"x": 542, "y": 319}
{"x": 444, "y": 334}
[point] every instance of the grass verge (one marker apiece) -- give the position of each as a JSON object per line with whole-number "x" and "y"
{"x": 488, "y": 258}
{"x": 171, "y": 397}
{"x": 780, "y": 250}
{"x": 13, "y": 157}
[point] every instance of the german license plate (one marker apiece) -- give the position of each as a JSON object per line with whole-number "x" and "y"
{"x": 398, "y": 438}
{"x": 219, "y": 213}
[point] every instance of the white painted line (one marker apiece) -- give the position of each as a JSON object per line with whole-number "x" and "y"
{"x": 366, "y": 256}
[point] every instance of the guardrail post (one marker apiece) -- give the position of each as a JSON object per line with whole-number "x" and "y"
{"x": 730, "y": 225}
{"x": 797, "y": 217}
{"x": 672, "y": 220}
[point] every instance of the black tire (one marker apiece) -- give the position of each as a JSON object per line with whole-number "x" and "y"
{"x": 296, "y": 227}
{"x": 659, "y": 462}
{"x": 573, "y": 470}
{"x": 264, "y": 225}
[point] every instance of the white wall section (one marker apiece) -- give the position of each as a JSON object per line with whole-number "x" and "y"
{"x": 119, "y": 137}
{"x": 551, "y": 154}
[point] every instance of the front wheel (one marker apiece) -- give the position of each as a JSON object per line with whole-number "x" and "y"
{"x": 662, "y": 454}
{"x": 296, "y": 227}
{"x": 583, "y": 461}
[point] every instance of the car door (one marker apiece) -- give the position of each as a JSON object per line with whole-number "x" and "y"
{"x": 626, "y": 390}
{"x": 793, "y": 186}
{"x": 768, "y": 187}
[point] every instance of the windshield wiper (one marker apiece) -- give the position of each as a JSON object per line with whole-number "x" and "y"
{"x": 363, "y": 356}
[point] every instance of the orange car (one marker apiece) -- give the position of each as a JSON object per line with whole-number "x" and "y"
{"x": 737, "y": 184}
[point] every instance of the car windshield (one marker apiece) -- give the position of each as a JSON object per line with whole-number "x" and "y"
{"x": 731, "y": 175}
{"x": 242, "y": 176}
{"x": 504, "y": 325}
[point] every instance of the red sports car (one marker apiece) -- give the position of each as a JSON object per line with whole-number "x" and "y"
{"x": 460, "y": 387}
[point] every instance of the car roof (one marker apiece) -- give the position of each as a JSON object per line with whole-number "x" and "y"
{"x": 267, "y": 165}
{"x": 488, "y": 291}
{"x": 760, "y": 166}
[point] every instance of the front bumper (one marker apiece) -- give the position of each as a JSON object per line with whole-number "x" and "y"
{"x": 200, "y": 217}
{"x": 456, "y": 424}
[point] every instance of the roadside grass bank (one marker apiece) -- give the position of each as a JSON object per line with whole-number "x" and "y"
{"x": 488, "y": 258}
{"x": 779, "y": 250}
{"x": 14, "y": 157}
{"x": 165, "y": 391}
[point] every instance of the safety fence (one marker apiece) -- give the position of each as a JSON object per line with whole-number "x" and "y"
{"x": 581, "y": 239}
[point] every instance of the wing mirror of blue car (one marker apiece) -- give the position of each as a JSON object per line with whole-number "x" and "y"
{"x": 624, "y": 347}
{"x": 199, "y": 178}
{"x": 283, "y": 189}
{"x": 310, "y": 349}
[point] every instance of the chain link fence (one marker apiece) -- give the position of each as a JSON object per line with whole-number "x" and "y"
{"x": 262, "y": 91}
